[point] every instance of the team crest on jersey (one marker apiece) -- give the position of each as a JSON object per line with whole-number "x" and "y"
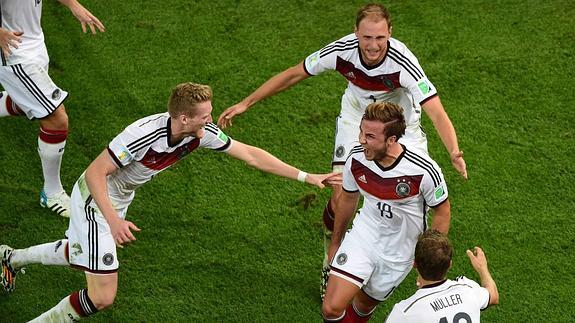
{"x": 402, "y": 189}
{"x": 340, "y": 151}
{"x": 350, "y": 75}
{"x": 341, "y": 259}
{"x": 56, "y": 94}
{"x": 108, "y": 259}
{"x": 388, "y": 83}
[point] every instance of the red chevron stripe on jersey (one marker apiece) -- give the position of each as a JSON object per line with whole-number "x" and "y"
{"x": 158, "y": 161}
{"x": 393, "y": 188}
{"x": 382, "y": 82}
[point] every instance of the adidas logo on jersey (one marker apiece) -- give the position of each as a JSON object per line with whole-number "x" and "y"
{"x": 350, "y": 75}
{"x": 362, "y": 179}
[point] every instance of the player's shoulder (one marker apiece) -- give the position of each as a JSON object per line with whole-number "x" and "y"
{"x": 151, "y": 122}
{"x": 145, "y": 131}
{"x": 464, "y": 281}
{"x": 356, "y": 152}
{"x": 346, "y": 43}
{"x": 212, "y": 128}
{"x": 399, "y": 53}
{"x": 420, "y": 159}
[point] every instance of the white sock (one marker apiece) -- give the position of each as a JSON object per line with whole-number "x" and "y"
{"x": 51, "y": 157}
{"x": 63, "y": 312}
{"x": 51, "y": 253}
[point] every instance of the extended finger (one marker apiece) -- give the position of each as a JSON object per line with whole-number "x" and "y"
{"x": 134, "y": 227}
{"x": 92, "y": 28}
{"x": 98, "y": 24}
{"x": 83, "y": 27}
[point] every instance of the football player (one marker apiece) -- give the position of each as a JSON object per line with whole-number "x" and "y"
{"x": 29, "y": 90}
{"x": 102, "y": 194}
{"x": 399, "y": 185}
{"x": 378, "y": 68}
{"x": 439, "y": 299}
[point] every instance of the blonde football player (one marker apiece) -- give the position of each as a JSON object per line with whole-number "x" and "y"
{"x": 378, "y": 68}
{"x": 102, "y": 194}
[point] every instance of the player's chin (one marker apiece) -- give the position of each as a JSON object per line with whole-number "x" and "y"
{"x": 200, "y": 133}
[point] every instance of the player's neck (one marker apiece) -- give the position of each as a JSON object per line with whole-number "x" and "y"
{"x": 422, "y": 283}
{"x": 176, "y": 131}
{"x": 391, "y": 156}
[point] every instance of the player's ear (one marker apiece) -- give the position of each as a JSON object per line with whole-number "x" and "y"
{"x": 390, "y": 30}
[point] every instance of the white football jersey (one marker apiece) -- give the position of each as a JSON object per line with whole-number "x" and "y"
{"x": 459, "y": 300}
{"x": 396, "y": 201}
{"x": 398, "y": 78}
{"x": 25, "y": 16}
{"x": 143, "y": 150}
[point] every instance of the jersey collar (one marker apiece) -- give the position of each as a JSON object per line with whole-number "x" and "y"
{"x": 397, "y": 160}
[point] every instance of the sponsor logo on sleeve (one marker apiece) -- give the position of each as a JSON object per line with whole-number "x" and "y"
{"x": 223, "y": 137}
{"x": 123, "y": 155}
{"x": 424, "y": 87}
{"x": 439, "y": 191}
{"x": 313, "y": 59}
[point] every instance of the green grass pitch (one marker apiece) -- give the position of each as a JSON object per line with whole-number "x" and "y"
{"x": 223, "y": 242}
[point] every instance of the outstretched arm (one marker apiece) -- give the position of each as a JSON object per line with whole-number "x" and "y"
{"x": 96, "y": 179}
{"x": 268, "y": 163}
{"x": 276, "y": 84}
{"x": 479, "y": 263}
{"x": 85, "y": 17}
{"x": 444, "y": 127}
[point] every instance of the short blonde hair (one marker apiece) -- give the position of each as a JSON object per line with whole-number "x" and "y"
{"x": 373, "y": 10}
{"x": 185, "y": 96}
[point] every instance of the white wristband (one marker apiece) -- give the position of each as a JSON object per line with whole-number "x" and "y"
{"x": 301, "y": 176}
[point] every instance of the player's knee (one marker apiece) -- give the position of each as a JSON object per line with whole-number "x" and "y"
{"x": 58, "y": 120}
{"x": 331, "y": 310}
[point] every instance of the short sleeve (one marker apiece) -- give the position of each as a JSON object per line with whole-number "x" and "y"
{"x": 349, "y": 183}
{"x": 395, "y": 315}
{"x": 326, "y": 58}
{"x": 480, "y": 293}
{"x": 131, "y": 144}
{"x": 413, "y": 77}
{"x": 215, "y": 138}
{"x": 433, "y": 186}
